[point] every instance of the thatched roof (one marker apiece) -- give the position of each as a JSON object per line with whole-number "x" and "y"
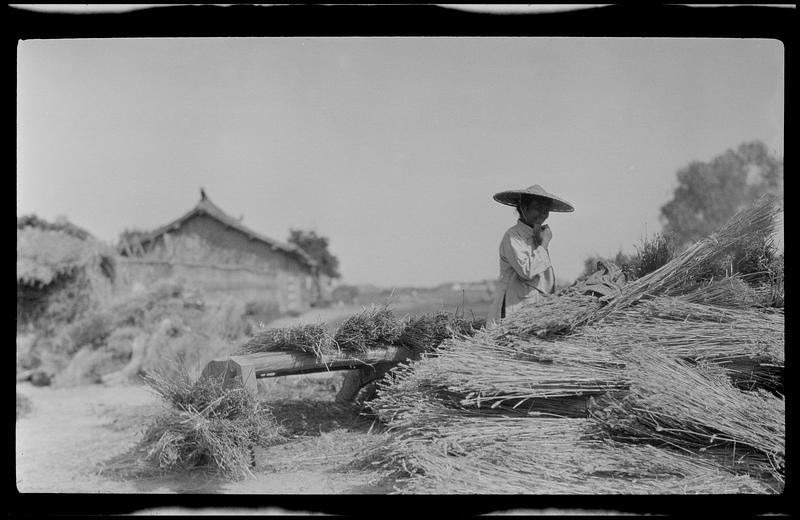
{"x": 206, "y": 207}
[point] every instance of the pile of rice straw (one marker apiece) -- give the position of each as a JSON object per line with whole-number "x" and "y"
{"x": 656, "y": 412}
{"x": 204, "y": 427}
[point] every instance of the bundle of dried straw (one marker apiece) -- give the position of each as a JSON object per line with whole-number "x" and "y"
{"x": 691, "y": 331}
{"x": 554, "y": 315}
{"x": 486, "y": 371}
{"x": 205, "y": 427}
{"x": 427, "y": 331}
{"x": 373, "y": 327}
{"x": 673, "y": 403}
{"x": 311, "y": 338}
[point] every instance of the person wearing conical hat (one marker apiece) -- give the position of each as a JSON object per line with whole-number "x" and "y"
{"x": 526, "y": 273}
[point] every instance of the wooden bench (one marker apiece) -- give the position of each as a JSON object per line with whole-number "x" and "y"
{"x": 252, "y": 367}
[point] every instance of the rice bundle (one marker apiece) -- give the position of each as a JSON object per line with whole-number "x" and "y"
{"x": 373, "y": 327}
{"x": 205, "y": 427}
{"x": 311, "y": 338}
{"x": 552, "y": 316}
{"x": 692, "y": 331}
{"x": 484, "y": 371}
{"x": 427, "y": 331}
{"x": 673, "y": 403}
{"x": 731, "y": 291}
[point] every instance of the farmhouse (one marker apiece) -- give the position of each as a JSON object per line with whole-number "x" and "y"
{"x": 217, "y": 253}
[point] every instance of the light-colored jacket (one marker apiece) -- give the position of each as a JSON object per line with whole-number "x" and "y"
{"x": 525, "y": 272}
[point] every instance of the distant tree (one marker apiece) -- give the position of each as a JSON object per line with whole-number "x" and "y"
{"x": 345, "y": 293}
{"x": 316, "y": 247}
{"x": 708, "y": 194}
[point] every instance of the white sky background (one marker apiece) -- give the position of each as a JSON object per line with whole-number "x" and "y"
{"x": 391, "y": 147}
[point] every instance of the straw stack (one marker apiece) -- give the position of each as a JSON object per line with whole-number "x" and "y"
{"x": 662, "y": 414}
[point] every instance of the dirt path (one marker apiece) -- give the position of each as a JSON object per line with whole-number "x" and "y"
{"x": 68, "y": 433}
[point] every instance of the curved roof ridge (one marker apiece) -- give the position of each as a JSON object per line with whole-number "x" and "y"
{"x": 206, "y": 206}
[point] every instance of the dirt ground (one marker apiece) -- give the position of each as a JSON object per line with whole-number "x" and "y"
{"x": 68, "y": 434}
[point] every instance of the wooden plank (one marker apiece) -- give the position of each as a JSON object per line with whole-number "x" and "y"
{"x": 222, "y": 368}
{"x": 277, "y": 363}
{"x": 283, "y": 362}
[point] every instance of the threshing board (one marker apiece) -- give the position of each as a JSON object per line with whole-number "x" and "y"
{"x": 288, "y": 362}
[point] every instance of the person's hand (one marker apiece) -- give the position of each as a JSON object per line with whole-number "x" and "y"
{"x": 545, "y": 235}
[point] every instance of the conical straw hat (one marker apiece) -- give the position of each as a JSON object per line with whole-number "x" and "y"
{"x": 513, "y": 197}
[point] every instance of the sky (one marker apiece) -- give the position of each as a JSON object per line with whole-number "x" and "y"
{"x": 390, "y": 147}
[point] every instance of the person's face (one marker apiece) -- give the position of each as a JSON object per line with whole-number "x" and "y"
{"x": 536, "y": 212}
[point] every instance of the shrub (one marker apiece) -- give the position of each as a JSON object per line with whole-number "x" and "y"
{"x": 345, "y": 294}
{"x": 653, "y": 254}
{"x": 262, "y": 310}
